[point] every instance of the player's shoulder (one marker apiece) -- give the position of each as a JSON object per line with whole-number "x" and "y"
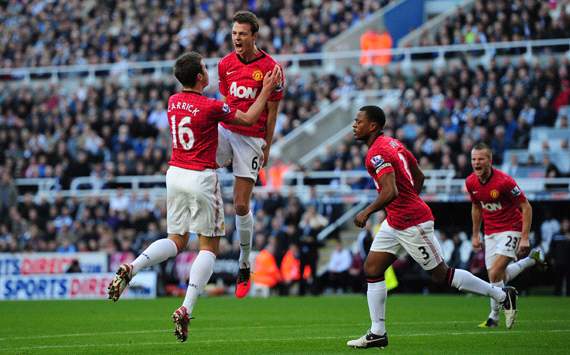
{"x": 174, "y": 96}
{"x": 470, "y": 180}
{"x": 228, "y": 58}
{"x": 502, "y": 177}
{"x": 268, "y": 56}
{"x": 267, "y": 59}
{"x": 388, "y": 144}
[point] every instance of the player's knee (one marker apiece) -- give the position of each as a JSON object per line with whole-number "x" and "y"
{"x": 496, "y": 275}
{"x": 372, "y": 270}
{"x": 242, "y": 209}
{"x": 180, "y": 241}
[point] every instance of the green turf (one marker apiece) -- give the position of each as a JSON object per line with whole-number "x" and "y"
{"x": 416, "y": 325}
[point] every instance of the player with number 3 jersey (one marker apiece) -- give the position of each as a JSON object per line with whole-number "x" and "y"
{"x": 193, "y": 197}
{"x": 408, "y": 227}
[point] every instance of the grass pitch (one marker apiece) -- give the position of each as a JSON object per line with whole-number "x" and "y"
{"x": 416, "y": 325}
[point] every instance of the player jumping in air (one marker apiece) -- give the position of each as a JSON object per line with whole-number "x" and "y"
{"x": 241, "y": 73}
{"x": 194, "y": 200}
{"x": 507, "y": 215}
{"x": 409, "y": 225}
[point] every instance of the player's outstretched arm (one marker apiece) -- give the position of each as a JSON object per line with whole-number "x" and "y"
{"x": 524, "y": 245}
{"x": 388, "y": 194}
{"x": 270, "y": 82}
{"x": 476, "y": 219}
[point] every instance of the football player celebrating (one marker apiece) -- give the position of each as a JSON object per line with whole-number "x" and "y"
{"x": 409, "y": 226}
{"x": 241, "y": 74}
{"x": 507, "y": 215}
{"x": 193, "y": 195}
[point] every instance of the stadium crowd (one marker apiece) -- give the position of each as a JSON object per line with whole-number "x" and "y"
{"x": 503, "y": 21}
{"x": 114, "y": 130}
{"x": 444, "y": 111}
{"x": 46, "y": 33}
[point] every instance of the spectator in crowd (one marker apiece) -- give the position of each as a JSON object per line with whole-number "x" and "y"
{"x": 266, "y": 274}
{"x": 8, "y": 194}
{"x": 560, "y": 254}
{"x": 311, "y": 224}
{"x": 549, "y": 227}
{"x": 338, "y": 268}
{"x": 291, "y": 270}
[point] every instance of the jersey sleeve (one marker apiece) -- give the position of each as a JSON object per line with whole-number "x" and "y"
{"x": 379, "y": 164}
{"x": 277, "y": 94}
{"x": 222, "y": 83}
{"x": 513, "y": 190}
{"x": 221, "y": 111}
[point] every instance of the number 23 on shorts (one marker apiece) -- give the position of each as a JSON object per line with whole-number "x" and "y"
{"x": 512, "y": 242}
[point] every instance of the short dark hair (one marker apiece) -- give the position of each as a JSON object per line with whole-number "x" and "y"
{"x": 247, "y": 17}
{"x": 187, "y": 68}
{"x": 483, "y": 146}
{"x": 375, "y": 114}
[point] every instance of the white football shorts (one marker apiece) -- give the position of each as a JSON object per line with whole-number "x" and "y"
{"x": 502, "y": 243}
{"x": 245, "y": 153}
{"x": 194, "y": 202}
{"x": 419, "y": 241}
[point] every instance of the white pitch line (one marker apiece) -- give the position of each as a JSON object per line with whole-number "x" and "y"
{"x": 277, "y": 340}
{"x": 229, "y": 328}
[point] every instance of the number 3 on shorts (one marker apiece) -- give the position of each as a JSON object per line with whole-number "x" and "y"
{"x": 424, "y": 252}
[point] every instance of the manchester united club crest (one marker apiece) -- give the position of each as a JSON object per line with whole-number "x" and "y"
{"x": 494, "y": 194}
{"x": 257, "y": 75}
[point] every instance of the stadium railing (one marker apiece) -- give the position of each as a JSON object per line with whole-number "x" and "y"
{"x": 484, "y": 50}
{"x": 338, "y": 186}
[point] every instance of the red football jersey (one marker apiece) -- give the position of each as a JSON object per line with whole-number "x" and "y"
{"x": 193, "y": 120}
{"x": 500, "y": 199}
{"x": 389, "y": 155}
{"x": 241, "y": 83}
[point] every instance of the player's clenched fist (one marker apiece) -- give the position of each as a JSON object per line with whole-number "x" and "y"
{"x": 360, "y": 219}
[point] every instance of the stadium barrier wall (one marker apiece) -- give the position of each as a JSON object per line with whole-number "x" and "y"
{"x": 73, "y": 286}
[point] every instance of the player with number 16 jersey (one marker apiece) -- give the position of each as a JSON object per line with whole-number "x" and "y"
{"x": 193, "y": 120}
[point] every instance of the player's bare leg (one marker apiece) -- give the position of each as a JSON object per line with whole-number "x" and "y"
{"x": 244, "y": 225}
{"x": 200, "y": 272}
{"x": 374, "y": 267}
{"x": 156, "y": 253}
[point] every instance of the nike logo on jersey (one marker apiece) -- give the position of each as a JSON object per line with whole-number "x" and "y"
{"x": 230, "y": 72}
{"x": 474, "y": 192}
